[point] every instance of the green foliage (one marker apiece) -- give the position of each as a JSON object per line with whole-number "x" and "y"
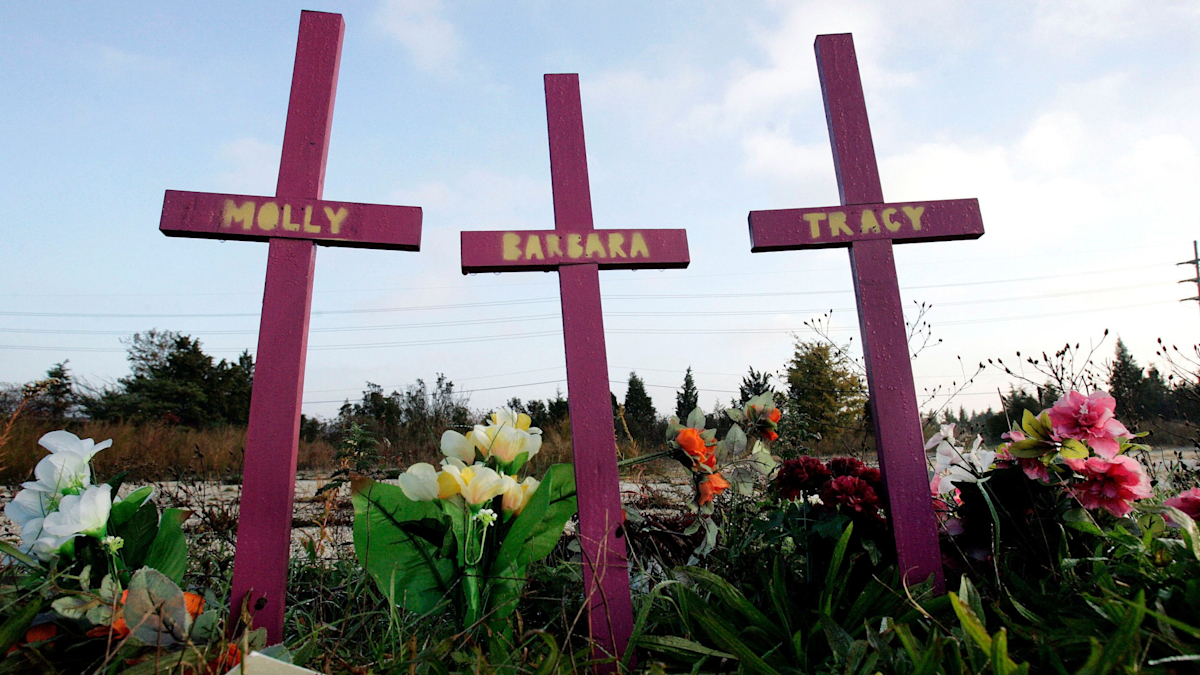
{"x": 357, "y": 454}
{"x": 825, "y": 388}
{"x": 416, "y": 416}
{"x": 174, "y": 381}
{"x": 688, "y": 396}
{"x": 414, "y": 549}
{"x": 640, "y": 416}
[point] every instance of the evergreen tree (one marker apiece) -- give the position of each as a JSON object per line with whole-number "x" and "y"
{"x": 1126, "y": 384}
{"x": 174, "y": 381}
{"x": 640, "y": 414}
{"x": 753, "y": 384}
{"x": 688, "y": 397}
{"x": 826, "y": 391}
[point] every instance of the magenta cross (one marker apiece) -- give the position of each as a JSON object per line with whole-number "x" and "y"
{"x": 294, "y": 221}
{"x": 868, "y": 226}
{"x": 576, "y": 250}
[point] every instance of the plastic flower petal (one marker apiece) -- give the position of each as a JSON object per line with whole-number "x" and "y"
{"x": 1110, "y": 484}
{"x": 1187, "y": 501}
{"x": 477, "y": 484}
{"x": 1089, "y": 419}
{"x": 712, "y": 486}
{"x": 62, "y": 473}
{"x": 420, "y": 482}
{"x": 457, "y": 445}
{"x": 58, "y": 442}
{"x": 29, "y": 505}
{"x": 516, "y": 420}
{"x": 85, "y": 513}
{"x": 509, "y": 442}
{"x": 517, "y": 495}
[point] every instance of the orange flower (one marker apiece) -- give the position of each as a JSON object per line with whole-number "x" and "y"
{"x": 770, "y": 435}
{"x": 712, "y": 486}
{"x": 774, "y": 415}
{"x": 38, "y": 633}
{"x": 223, "y": 663}
{"x": 689, "y": 439}
{"x": 195, "y": 604}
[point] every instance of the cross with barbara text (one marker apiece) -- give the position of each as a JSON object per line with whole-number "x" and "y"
{"x": 294, "y": 221}
{"x": 868, "y": 226}
{"x": 577, "y": 252}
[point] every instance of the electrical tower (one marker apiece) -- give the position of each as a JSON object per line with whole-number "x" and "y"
{"x": 1195, "y": 263}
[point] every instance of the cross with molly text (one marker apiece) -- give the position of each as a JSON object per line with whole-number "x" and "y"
{"x": 868, "y": 226}
{"x": 294, "y": 221}
{"x": 576, "y": 250}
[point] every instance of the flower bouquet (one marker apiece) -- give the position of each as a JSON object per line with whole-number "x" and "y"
{"x": 462, "y": 536}
{"x": 97, "y": 578}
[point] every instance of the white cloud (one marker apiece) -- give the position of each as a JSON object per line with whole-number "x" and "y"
{"x": 417, "y": 24}
{"x": 253, "y": 166}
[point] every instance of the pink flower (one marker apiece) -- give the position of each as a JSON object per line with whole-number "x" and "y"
{"x": 1088, "y": 419}
{"x": 1033, "y": 467}
{"x": 1188, "y": 502}
{"x": 1110, "y": 484}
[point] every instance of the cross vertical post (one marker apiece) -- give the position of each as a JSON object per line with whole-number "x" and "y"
{"x": 577, "y": 251}
{"x": 869, "y": 227}
{"x": 294, "y": 221}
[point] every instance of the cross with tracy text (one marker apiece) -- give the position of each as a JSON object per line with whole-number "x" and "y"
{"x": 868, "y": 226}
{"x": 294, "y": 221}
{"x": 577, "y": 251}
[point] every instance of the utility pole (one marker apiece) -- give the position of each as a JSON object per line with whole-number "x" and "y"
{"x": 1195, "y": 263}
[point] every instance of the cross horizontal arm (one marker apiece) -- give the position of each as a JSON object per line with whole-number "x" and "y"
{"x": 214, "y": 216}
{"x": 547, "y": 250}
{"x": 840, "y": 226}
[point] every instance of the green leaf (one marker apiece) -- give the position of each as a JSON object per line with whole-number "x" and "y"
{"x": 971, "y": 623}
{"x": 734, "y": 599}
{"x": 155, "y": 609}
{"x": 723, "y": 635}
{"x": 399, "y": 542}
{"x": 531, "y": 537}
{"x": 168, "y": 553}
{"x": 735, "y": 441}
{"x": 1073, "y": 449}
{"x": 1029, "y": 448}
{"x": 679, "y": 647}
{"x": 123, "y": 510}
{"x": 16, "y": 554}
{"x": 15, "y": 626}
{"x": 139, "y": 528}
{"x": 695, "y": 419}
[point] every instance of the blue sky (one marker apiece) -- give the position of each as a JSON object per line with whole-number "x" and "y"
{"x": 1074, "y": 123}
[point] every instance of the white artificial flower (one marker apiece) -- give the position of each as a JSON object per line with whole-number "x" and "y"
{"x": 30, "y": 505}
{"x": 486, "y": 516}
{"x": 509, "y": 442}
{"x": 113, "y": 543}
{"x": 86, "y": 513}
{"x": 815, "y": 500}
{"x": 517, "y": 495}
{"x": 65, "y": 442}
{"x": 507, "y": 417}
{"x": 420, "y": 482}
{"x": 955, "y": 465}
{"x": 458, "y": 446}
{"x": 61, "y": 473}
{"x": 478, "y": 484}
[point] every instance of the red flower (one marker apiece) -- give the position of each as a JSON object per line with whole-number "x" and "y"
{"x": 770, "y": 435}
{"x": 803, "y": 474}
{"x": 1110, "y": 484}
{"x": 774, "y": 415}
{"x": 872, "y": 476}
{"x": 846, "y": 466}
{"x": 1188, "y": 502}
{"x": 852, "y": 492}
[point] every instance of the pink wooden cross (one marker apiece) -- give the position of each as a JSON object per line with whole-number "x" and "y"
{"x": 294, "y": 221}
{"x": 868, "y": 226}
{"x": 576, "y": 250}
